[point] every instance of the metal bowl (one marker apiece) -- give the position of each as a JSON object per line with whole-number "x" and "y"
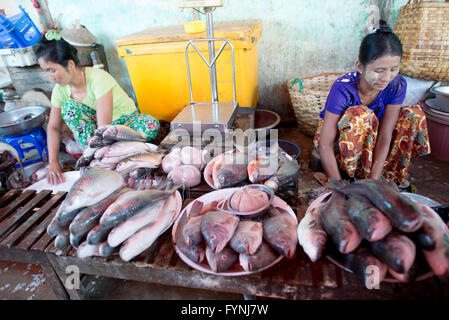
{"x": 442, "y": 97}
{"x": 21, "y": 121}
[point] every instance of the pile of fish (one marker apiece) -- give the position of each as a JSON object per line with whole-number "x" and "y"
{"x": 121, "y": 149}
{"x": 183, "y": 165}
{"x": 101, "y": 215}
{"x": 270, "y": 166}
{"x": 372, "y": 224}
{"x": 228, "y": 242}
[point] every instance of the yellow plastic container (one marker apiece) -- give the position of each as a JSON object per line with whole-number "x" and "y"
{"x": 195, "y": 26}
{"x": 156, "y": 63}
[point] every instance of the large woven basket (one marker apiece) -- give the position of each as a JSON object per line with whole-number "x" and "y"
{"x": 308, "y": 95}
{"x": 423, "y": 27}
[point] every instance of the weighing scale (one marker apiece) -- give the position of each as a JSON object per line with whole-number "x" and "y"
{"x": 207, "y": 115}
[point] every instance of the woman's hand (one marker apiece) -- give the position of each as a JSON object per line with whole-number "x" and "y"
{"x": 55, "y": 174}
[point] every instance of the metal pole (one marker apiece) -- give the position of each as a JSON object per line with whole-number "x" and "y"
{"x": 210, "y": 35}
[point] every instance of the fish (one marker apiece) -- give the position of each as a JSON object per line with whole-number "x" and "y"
{"x": 311, "y": 234}
{"x": 145, "y": 160}
{"x": 438, "y": 257}
{"x": 192, "y": 231}
{"x": 76, "y": 241}
{"x": 122, "y": 133}
{"x": 87, "y": 156}
{"x": 366, "y": 267}
{"x": 370, "y": 222}
{"x": 247, "y": 237}
{"x": 249, "y": 200}
{"x": 40, "y": 174}
{"x": 287, "y": 173}
{"x": 96, "y": 163}
{"x": 145, "y": 237}
{"x": 262, "y": 168}
{"x": 263, "y": 257}
{"x": 54, "y": 227}
{"x": 98, "y": 234}
{"x": 62, "y": 239}
{"x": 221, "y": 261}
{"x": 186, "y": 175}
{"x": 89, "y": 217}
{"x": 90, "y": 189}
{"x": 129, "y": 148}
{"x": 99, "y": 131}
{"x": 217, "y": 229}
{"x": 396, "y": 250}
{"x": 338, "y": 225}
{"x": 97, "y": 142}
{"x": 86, "y": 250}
{"x": 230, "y": 170}
{"x": 130, "y": 226}
{"x": 130, "y": 203}
{"x": 399, "y": 209}
{"x": 431, "y": 230}
{"x": 100, "y": 152}
{"x": 279, "y": 231}
{"x": 7, "y": 147}
{"x": 172, "y": 160}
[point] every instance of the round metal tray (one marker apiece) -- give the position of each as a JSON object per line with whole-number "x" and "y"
{"x": 21, "y": 121}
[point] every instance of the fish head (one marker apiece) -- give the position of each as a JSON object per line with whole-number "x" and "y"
{"x": 224, "y": 178}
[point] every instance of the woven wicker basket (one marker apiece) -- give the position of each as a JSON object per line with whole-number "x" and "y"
{"x": 423, "y": 27}
{"x": 308, "y": 95}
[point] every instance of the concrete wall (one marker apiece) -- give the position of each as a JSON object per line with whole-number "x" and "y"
{"x": 299, "y": 37}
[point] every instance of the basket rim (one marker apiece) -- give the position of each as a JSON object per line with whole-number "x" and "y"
{"x": 310, "y": 76}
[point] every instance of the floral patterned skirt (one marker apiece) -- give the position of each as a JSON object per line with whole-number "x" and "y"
{"x": 82, "y": 121}
{"x": 356, "y": 139}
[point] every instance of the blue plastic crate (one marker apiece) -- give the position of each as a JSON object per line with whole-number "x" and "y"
{"x": 18, "y": 31}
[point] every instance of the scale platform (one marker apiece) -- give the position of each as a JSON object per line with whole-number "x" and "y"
{"x": 208, "y": 115}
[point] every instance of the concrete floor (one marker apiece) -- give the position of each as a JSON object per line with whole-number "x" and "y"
{"x": 20, "y": 281}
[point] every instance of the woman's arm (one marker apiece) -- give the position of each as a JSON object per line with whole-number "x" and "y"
{"x": 54, "y": 126}
{"x": 326, "y": 145}
{"x": 383, "y": 142}
{"x": 104, "y": 109}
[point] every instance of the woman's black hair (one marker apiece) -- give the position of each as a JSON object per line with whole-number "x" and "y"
{"x": 379, "y": 44}
{"x": 57, "y": 51}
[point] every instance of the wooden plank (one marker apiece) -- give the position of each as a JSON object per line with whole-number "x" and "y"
{"x": 7, "y": 197}
{"x": 164, "y": 255}
{"x": 9, "y": 223}
{"x": 12, "y": 239}
{"x": 37, "y": 232}
{"x": 43, "y": 242}
{"x": 25, "y": 196}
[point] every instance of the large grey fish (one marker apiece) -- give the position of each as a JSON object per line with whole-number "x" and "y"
{"x": 66, "y": 218}
{"x": 396, "y": 250}
{"x": 279, "y": 231}
{"x": 87, "y": 157}
{"x": 338, "y": 225}
{"x": 145, "y": 160}
{"x": 230, "y": 170}
{"x": 86, "y": 250}
{"x": 438, "y": 257}
{"x": 260, "y": 259}
{"x": 247, "y": 237}
{"x": 145, "y": 237}
{"x": 218, "y": 228}
{"x": 222, "y": 261}
{"x": 287, "y": 173}
{"x": 262, "y": 168}
{"x": 402, "y": 211}
{"x": 89, "y": 217}
{"x": 62, "y": 239}
{"x": 99, "y": 131}
{"x": 123, "y": 148}
{"x": 91, "y": 188}
{"x": 431, "y": 230}
{"x": 311, "y": 234}
{"x": 371, "y": 223}
{"x": 54, "y": 228}
{"x": 98, "y": 234}
{"x": 366, "y": 266}
{"x": 128, "y": 204}
{"x": 121, "y": 133}
{"x": 96, "y": 142}
{"x": 130, "y": 226}
{"x": 191, "y": 230}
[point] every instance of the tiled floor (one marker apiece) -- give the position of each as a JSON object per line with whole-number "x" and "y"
{"x": 26, "y": 281}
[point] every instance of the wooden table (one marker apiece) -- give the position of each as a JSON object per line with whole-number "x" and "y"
{"x": 24, "y": 217}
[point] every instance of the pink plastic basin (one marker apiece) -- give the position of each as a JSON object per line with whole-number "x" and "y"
{"x": 438, "y": 127}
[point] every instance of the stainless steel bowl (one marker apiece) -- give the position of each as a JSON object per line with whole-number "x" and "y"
{"x": 442, "y": 97}
{"x": 22, "y": 120}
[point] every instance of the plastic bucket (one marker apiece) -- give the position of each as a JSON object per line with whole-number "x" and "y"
{"x": 438, "y": 127}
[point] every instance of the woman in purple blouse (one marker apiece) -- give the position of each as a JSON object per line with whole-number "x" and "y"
{"x": 363, "y": 131}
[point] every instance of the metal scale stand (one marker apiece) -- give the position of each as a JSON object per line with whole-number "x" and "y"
{"x": 214, "y": 114}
